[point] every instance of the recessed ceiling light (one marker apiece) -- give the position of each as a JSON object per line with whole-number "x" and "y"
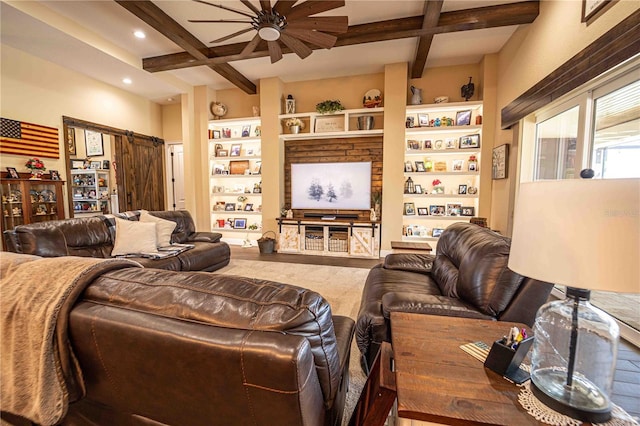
{"x": 170, "y": 99}
{"x": 127, "y": 80}
{"x": 139, "y": 34}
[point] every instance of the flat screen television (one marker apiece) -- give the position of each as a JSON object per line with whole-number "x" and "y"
{"x": 335, "y": 186}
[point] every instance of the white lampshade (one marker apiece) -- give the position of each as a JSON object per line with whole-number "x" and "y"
{"x": 580, "y": 233}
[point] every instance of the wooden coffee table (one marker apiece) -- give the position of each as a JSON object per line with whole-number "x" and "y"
{"x": 438, "y": 382}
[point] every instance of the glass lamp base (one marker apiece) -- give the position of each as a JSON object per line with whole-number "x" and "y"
{"x": 583, "y": 400}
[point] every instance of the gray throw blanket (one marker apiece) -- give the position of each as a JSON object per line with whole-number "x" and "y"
{"x": 39, "y": 375}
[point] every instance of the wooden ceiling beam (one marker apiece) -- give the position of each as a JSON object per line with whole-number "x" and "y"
{"x": 432, "y": 11}
{"x": 195, "y": 49}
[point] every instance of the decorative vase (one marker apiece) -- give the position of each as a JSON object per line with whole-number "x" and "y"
{"x": 438, "y": 189}
{"x": 416, "y": 99}
{"x": 36, "y": 174}
{"x": 295, "y": 129}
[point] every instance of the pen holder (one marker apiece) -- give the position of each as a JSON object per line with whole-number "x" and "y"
{"x": 504, "y": 360}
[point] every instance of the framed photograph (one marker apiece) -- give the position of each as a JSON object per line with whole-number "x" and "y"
{"x": 423, "y": 120}
{"x": 105, "y": 164}
{"x": 463, "y": 118}
{"x": 591, "y": 9}
{"x": 468, "y": 211}
{"x": 217, "y": 134}
{"x": 219, "y": 206}
{"x": 420, "y": 166}
{"x": 462, "y": 189}
{"x": 499, "y": 162}
{"x": 95, "y": 165}
{"x": 427, "y": 144}
{"x": 436, "y": 232}
{"x": 248, "y": 207}
{"x": 54, "y": 175}
{"x": 418, "y": 189}
{"x": 71, "y": 140}
{"x": 423, "y": 211}
{"x": 248, "y": 152}
{"x": 457, "y": 165}
{"x": 453, "y": 209}
{"x": 235, "y": 150}
{"x": 409, "y": 209}
{"x": 413, "y": 144}
{"x": 436, "y": 210}
{"x": 12, "y": 173}
{"x": 257, "y": 168}
{"x": 470, "y": 141}
{"x": 408, "y": 167}
{"x": 329, "y": 124}
{"x": 77, "y": 164}
{"x": 410, "y": 122}
{"x": 246, "y": 131}
{"x": 473, "y": 166}
{"x": 451, "y": 143}
{"x": 239, "y": 223}
{"x": 230, "y": 207}
{"x": 408, "y": 231}
{"x": 223, "y": 153}
{"x": 226, "y": 132}
{"x": 93, "y": 143}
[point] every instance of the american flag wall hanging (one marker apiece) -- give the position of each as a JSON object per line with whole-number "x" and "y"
{"x": 20, "y": 138}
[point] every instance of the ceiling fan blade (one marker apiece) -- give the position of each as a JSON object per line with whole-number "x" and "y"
{"x": 230, "y": 9}
{"x": 283, "y": 6}
{"x": 274, "y": 51}
{"x": 317, "y": 38}
{"x": 230, "y": 36}
{"x": 266, "y": 5}
{"x": 331, "y": 24}
{"x": 311, "y": 7}
{"x": 298, "y": 47}
{"x": 251, "y": 46}
{"x": 220, "y": 21}
{"x": 250, "y": 6}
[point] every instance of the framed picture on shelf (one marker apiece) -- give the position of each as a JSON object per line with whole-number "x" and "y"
{"x": 420, "y": 166}
{"x": 410, "y": 122}
{"x": 468, "y": 211}
{"x": 408, "y": 167}
{"x": 457, "y": 165}
{"x": 436, "y": 210}
{"x": 427, "y": 144}
{"x": 235, "y": 150}
{"x": 423, "y": 211}
{"x": 248, "y": 207}
{"x": 246, "y": 131}
{"x": 219, "y": 206}
{"x": 418, "y": 189}
{"x": 54, "y": 175}
{"x": 226, "y": 132}
{"x": 413, "y": 144}
{"x": 463, "y": 118}
{"x": 473, "y": 166}
{"x": 239, "y": 223}
{"x": 217, "y": 134}
{"x": 95, "y": 165}
{"x": 230, "y": 207}
{"x": 451, "y": 143}
{"x": 409, "y": 209}
{"x": 223, "y": 153}
{"x": 257, "y": 168}
{"x": 93, "y": 143}
{"x": 12, "y": 173}
{"x": 423, "y": 120}
{"x": 462, "y": 189}
{"x": 470, "y": 141}
{"x": 499, "y": 162}
{"x": 77, "y": 164}
{"x": 453, "y": 209}
{"x": 436, "y": 232}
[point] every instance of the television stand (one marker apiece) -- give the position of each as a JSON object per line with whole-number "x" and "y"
{"x": 329, "y": 237}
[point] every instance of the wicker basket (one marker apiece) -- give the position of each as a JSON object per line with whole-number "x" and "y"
{"x": 266, "y": 244}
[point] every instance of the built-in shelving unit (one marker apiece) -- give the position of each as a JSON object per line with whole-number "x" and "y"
{"x": 346, "y": 123}
{"x": 235, "y": 184}
{"x": 90, "y": 192}
{"x": 442, "y": 158}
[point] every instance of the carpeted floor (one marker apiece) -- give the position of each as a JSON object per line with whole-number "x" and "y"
{"x": 341, "y": 286}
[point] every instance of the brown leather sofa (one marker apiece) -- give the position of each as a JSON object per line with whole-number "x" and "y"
{"x": 467, "y": 277}
{"x": 190, "y": 348}
{"x": 92, "y": 237}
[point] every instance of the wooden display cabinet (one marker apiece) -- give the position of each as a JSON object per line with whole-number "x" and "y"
{"x": 27, "y": 200}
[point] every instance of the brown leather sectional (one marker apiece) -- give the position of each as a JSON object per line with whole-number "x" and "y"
{"x": 91, "y": 237}
{"x": 467, "y": 277}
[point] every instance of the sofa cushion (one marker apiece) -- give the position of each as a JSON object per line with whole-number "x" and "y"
{"x": 164, "y": 228}
{"x": 203, "y": 256}
{"x": 134, "y": 238}
{"x": 185, "y": 226}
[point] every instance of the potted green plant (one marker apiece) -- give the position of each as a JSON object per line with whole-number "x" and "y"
{"x": 329, "y": 107}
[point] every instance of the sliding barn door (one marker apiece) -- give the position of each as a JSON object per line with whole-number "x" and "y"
{"x": 140, "y": 172}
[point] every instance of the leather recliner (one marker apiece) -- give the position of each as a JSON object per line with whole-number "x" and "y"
{"x": 467, "y": 277}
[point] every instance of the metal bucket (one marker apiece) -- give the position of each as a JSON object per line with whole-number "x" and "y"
{"x": 365, "y": 122}
{"x": 266, "y": 244}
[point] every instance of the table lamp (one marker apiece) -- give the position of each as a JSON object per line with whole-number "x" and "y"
{"x": 583, "y": 234}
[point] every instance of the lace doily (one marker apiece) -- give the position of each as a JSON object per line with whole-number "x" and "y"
{"x": 544, "y": 414}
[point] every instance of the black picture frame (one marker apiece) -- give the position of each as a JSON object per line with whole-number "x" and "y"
{"x": 463, "y": 118}
{"x": 591, "y": 9}
{"x": 462, "y": 189}
{"x": 248, "y": 207}
{"x": 77, "y": 164}
{"x": 93, "y": 143}
{"x": 217, "y": 134}
{"x": 423, "y": 211}
{"x": 468, "y": 211}
{"x": 470, "y": 141}
{"x": 230, "y": 207}
{"x": 12, "y": 173}
{"x": 418, "y": 189}
{"x": 55, "y": 175}
{"x": 240, "y": 223}
{"x": 420, "y": 166}
{"x": 436, "y": 210}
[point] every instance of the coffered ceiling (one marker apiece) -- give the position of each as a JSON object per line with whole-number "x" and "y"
{"x": 96, "y": 38}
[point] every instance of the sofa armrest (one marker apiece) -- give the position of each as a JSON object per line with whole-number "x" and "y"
{"x": 412, "y": 262}
{"x": 429, "y": 305}
{"x": 205, "y": 237}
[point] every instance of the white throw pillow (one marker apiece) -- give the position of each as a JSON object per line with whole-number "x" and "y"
{"x": 164, "y": 228}
{"x": 133, "y": 237}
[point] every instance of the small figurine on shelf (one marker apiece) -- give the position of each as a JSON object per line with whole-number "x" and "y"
{"x": 372, "y": 215}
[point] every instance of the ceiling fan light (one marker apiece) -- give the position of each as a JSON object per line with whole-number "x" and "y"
{"x": 269, "y": 33}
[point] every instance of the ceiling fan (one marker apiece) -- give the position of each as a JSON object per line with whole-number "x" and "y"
{"x": 286, "y": 22}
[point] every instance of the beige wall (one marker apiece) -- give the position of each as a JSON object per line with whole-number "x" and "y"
{"x": 172, "y": 122}
{"x": 532, "y": 53}
{"x": 446, "y": 81}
